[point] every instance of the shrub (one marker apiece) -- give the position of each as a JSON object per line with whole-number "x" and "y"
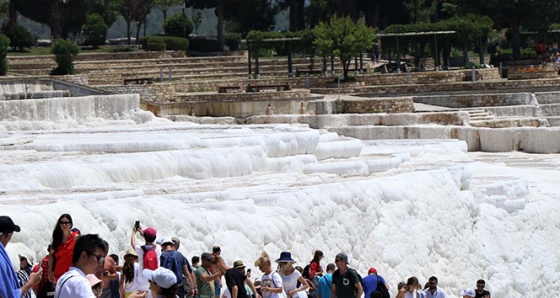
{"x": 156, "y": 44}
{"x": 172, "y": 43}
{"x": 232, "y": 41}
{"x": 95, "y": 30}
{"x": 64, "y": 51}
{"x": 178, "y": 25}
{"x": 201, "y": 44}
{"x": 20, "y": 37}
{"x": 4, "y": 44}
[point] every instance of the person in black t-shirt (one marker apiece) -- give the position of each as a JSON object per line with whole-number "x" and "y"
{"x": 234, "y": 278}
{"x": 480, "y": 291}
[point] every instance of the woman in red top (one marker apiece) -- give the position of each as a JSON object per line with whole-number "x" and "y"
{"x": 63, "y": 240}
{"x": 315, "y": 266}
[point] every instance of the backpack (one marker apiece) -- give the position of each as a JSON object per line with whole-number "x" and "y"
{"x": 381, "y": 288}
{"x": 170, "y": 260}
{"x": 150, "y": 258}
{"x": 359, "y": 276}
{"x": 306, "y": 271}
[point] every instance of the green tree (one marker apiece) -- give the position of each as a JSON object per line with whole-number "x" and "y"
{"x": 343, "y": 38}
{"x": 178, "y": 25}
{"x": 135, "y": 11}
{"x": 515, "y": 15}
{"x": 20, "y": 37}
{"x": 95, "y": 31}
{"x": 220, "y": 6}
{"x": 62, "y": 16}
{"x": 164, "y": 5}
{"x": 251, "y": 15}
{"x": 107, "y": 9}
{"x": 64, "y": 51}
{"x": 320, "y": 11}
{"x": 4, "y": 44}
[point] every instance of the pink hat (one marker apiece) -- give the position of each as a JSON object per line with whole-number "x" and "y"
{"x": 372, "y": 270}
{"x": 93, "y": 280}
{"x": 150, "y": 232}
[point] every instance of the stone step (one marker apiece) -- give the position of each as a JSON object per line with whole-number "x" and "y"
{"x": 509, "y": 122}
{"x": 548, "y": 97}
{"x": 553, "y": 121}
{"x": 550, "y": 109}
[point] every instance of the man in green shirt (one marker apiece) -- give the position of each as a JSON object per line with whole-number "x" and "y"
{"x": 205, "y": 279}
{"x": 345, "y": 281}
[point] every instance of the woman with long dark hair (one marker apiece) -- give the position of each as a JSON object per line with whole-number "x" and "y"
{"x": 130, "y": 273}
{"x": 315, "y": 265}
{"x": 63, "y": 240}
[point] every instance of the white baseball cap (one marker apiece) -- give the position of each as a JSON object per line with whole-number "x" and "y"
{"x": 468, "y": 292}
{"x": 163, "y": 277}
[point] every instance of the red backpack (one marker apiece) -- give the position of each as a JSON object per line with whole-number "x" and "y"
{"x": 150, "y": 258}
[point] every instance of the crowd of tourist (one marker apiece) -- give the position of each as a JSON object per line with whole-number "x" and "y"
{"x": 80, "y": 266}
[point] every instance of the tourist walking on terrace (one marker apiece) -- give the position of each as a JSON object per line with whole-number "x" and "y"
{"x": 9, "y": 285}
{"x": 148, "y": 254}
{"x": 87, "y": 257}
{"x": 373, "y": 283}
{"x": 205, "y": 279}
{"x": 315, "y": 265}
{"x": 234, "y": 278}
{"x": 271, "y": 282}
{"x": 325, "y": 283}
{"x": 25, "y": 267}
{"x": 130, "y": 274}
{"x": 63, "y": 241}
{"x": 290, "y": 276}
{"x": 107, "y": 272}
{"x": 480, "y": 291}
{"x": 433, "y": 291}
{"x": 346, "y": 283}
{"x": 412, "y": 289}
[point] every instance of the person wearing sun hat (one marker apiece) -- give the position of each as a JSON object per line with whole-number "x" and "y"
{"x": 234, "y": 279}
{"x": 290, "y": 276}
{"x": 25, "y": 268}
{"x": 249, "y": 286}
{"x": 96, "y": 284}
{"x": 9, "y": 284}
{"x": 131, "y": 273}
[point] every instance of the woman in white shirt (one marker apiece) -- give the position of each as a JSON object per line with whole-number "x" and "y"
{"x": 130, "y": 274}
{"x": 411, "y": 289}
{"x": 271, "y": 282}
{"x": 290, "y": 277}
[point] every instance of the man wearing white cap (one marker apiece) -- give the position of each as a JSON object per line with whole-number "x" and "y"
{"x": 176, "y": 262}
{"x": 9, "y": 285}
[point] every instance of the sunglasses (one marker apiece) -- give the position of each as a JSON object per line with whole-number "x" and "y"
{"x": 63, "y": 223}
{"x": 100, "y": 259}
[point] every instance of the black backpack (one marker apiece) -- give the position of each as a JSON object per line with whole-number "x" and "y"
{"x": 359, "y": 276}
{"x": 382, "y": 288}
{"x": 306, "y": 271}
